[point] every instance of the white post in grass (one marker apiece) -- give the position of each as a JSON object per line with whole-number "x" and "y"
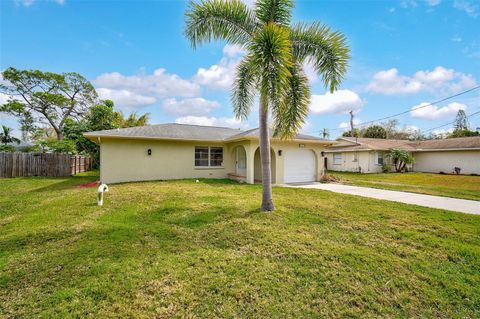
{"x": 103, "y": 188}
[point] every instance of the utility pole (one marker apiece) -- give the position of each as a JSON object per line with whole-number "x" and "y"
{"x": 351, "y": 121}
{"x": 325, "y": 133}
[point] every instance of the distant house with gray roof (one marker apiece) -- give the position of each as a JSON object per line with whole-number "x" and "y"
{"x": 367, "y": 155}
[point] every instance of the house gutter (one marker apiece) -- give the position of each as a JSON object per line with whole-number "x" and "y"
{"x": 96, "y": 138}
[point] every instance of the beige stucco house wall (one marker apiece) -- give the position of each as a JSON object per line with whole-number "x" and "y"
{"x": 126, "y": 159}
{"x": 446, "y": 161}
{"x": 435, "y": 156}
{"x": 355, "y": 161}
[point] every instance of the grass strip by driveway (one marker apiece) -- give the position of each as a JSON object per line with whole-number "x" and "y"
{"x": 457, "y": 186}
{"x": 186, "y": 249}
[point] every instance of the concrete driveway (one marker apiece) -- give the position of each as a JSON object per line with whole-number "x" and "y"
{"x": 439, "y": 202}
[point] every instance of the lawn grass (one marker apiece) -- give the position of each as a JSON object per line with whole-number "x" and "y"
{"x": 458, "y": 186}
{"x": 186, "y": 249}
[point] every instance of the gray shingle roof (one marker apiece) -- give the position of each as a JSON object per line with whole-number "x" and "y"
{"x": 255, "y": 133}
{"x": 365, "y": 144}
{"x": 185, "y": 132}
{"x": 170, "y": 131}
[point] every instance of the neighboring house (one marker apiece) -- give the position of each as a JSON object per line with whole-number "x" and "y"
{"x": 367, "y": 155}
{"x": 176, "y": 151}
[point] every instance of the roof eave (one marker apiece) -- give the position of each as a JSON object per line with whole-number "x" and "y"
{"x": 446, "y": 149}
{"x": 96, "y": 137}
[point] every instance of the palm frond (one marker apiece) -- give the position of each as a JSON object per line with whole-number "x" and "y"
{"x": 291, "y": 112}
{"x": 271, "y": 53}
{"x": 274, "y": 11}
{"x": 244, "y": 88}
{"x": 326, "y": 50}
{"x": 226, "y": 20}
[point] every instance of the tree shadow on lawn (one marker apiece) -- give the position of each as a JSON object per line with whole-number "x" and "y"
{"x": 63, "y": 183}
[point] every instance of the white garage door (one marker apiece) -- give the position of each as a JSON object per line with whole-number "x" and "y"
{"x": 299, "y": 166}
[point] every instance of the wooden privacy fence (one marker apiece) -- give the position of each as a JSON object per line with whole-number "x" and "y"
{"x": 18, "y": 164}
{"x": 79, "y": 163}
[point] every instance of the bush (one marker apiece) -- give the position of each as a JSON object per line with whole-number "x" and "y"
{"x": 385, "y": 168}
{"x": 63, "y": 146}
{"x": 7, "y": 148}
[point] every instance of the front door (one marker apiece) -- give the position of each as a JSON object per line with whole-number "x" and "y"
{"x": 241, "y": 161}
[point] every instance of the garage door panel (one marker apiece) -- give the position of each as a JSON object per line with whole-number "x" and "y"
{"x": 300, "y": 166}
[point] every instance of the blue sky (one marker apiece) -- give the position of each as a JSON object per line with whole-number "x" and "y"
{"x": 403, "y": 54}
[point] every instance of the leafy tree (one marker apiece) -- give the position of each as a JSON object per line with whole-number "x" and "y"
{"x": 461, "y": 121}
{"x": 46, "y": 97}
{"x": 375, "y": 131}
{"x": 273, "y": 64}
{"x": 400, "y": 159}
{"x": 100, "y": 117}
{"x": 463, "y": 133}
{"x": 356, "y": 133}
{"x": 58, "y": 146}
{"x": 6, "y": 136}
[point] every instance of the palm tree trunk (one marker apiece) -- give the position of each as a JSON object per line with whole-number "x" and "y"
{"x": 267, "y": 201}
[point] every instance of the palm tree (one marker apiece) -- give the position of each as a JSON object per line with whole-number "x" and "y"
{"x": 6, "y": 137}
{"x": 133, "y": 119}
{"x": 273, "y": 65}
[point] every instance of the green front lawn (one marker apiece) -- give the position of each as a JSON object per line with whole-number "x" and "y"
{"x": 459, "y": 186}
{"x": 185, "y": 249}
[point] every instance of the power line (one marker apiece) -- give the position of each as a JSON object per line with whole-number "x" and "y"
{"x": 437, "y": 127}
{"x": 413, "y": 109}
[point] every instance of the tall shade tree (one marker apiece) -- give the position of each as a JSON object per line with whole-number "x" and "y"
{"x": 272, "y": 67}
{"x": 49, "y": 98}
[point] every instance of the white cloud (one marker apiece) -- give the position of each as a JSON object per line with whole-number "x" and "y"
{"x": 408, "y": 4}
{"x": 432, "y": 112}
{"x": 467, "y": 7}
{"x": 306, "y": 128}
{"x": 125, "y": 98}
{"x": 345, "y": 126}
{"x": 219, "y": 76}
{"x": 193, "y": 106}
{"x": 433, "y": 3}
{"x": 4, "y": 98}
{"x": 442, "y": 133}
{"x": 440, "y": 79}
{"x": 233, "y": 50}
{"x": 456, "y": 38}
{"x": 338, "y": 102}
{"x": 28, "y": 3}
{"x": 310, "y": 72}
{"x": 212, "y": 121}
{"x": 410, "y": 129}
{"x": 159, "y": 83}
{"x": 250, "y": 3}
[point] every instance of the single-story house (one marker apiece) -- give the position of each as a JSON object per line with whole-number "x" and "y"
{"x": 367, "y": 155}
{"x": 176, "y": 151}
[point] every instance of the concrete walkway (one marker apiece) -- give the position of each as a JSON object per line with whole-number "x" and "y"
{"x": 439, "y": 202}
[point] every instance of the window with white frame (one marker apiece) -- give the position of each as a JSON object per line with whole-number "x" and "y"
{"x": 355, "y": 157}
{"x": 337, "y": 158}
{"x": 379, "y": 158}
{"x": 208, "y": 156}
